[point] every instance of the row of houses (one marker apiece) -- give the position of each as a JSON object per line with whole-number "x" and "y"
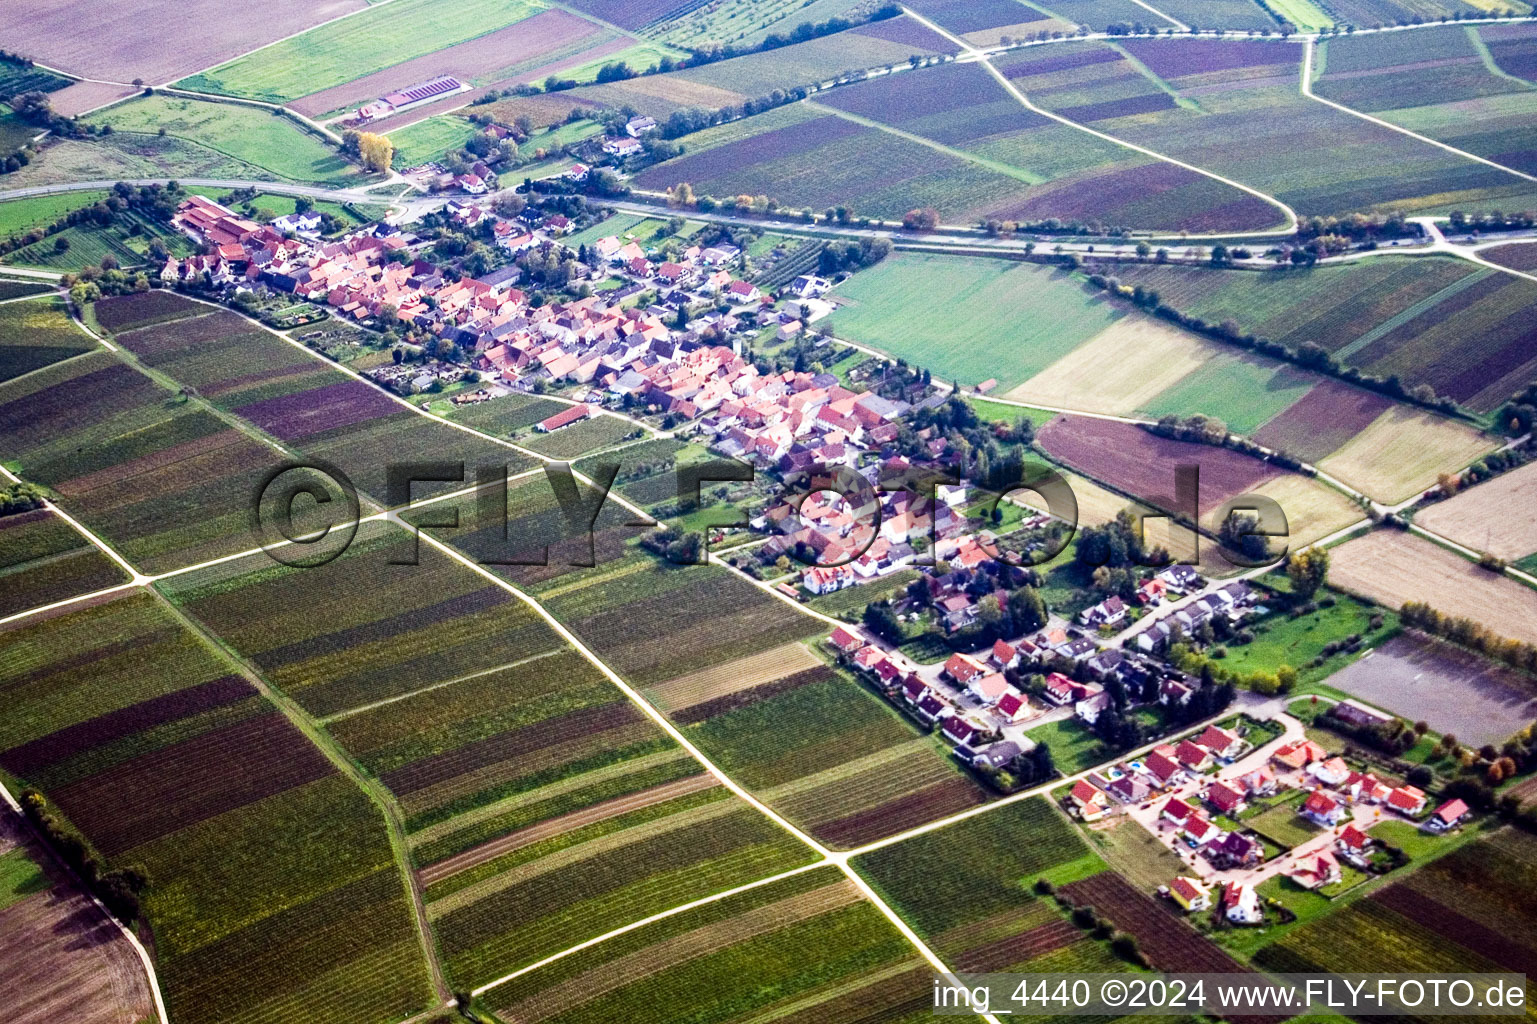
{"x": 975, "y": 742}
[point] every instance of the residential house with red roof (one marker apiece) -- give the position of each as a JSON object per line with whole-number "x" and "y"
{"x": 1191, "y": 894}
{"x": 1322, "y": 808}
{"x": 1448, "y": 815}
{"x": 1089, "y": 800}
{"x": 1316, "y": 870}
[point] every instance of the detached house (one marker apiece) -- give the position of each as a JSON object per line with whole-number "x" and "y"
{"x": 962, "y": 668}
{"x": 1107, "y": 613}
{"x": 1317, "y": 870}
{"x": 1190, "y": 893}
{"x": 1448, "y": 815}
{"x": 1407, "y": 800}
{"x": 1323, "y": 809}
{"x": 1220, "y": 742}
{"x": 1090, "y": 801}
{"x": 957, "y": 730}
{"x": 845, "y": 641}
{"x": 1226, "y": 799}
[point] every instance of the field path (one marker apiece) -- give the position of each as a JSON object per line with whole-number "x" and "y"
{"x": 1307, "y": 90}
{"x": 982, "y": 57}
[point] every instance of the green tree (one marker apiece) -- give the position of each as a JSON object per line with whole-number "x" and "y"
{"x": 1307, "y": 570}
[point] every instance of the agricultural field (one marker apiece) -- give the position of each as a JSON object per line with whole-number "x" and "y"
{"x": 948, "y": 313}
{"x": 1234, "y": 15}
{"x": 1137, "y": 462}
{"x": 18, "y": 216}
{"x": 1466, "y": 912}
{"x": 162, "y": 478}
{"x": 66, "y": 959}
{"x": 254, "y": 136}
{"x": 804, "y": 157}
{"x": 582, "y": 437}
{"x": 398, "y": 626}
{"x": 730, "y": 82}
{"x": 1445, "y": 323}
{"x": 1391, "y": 568}
{"x": 37, "y": 334}
{"x": 1183, "y": 98}
{"x": 1168, "y": 943}
{"x": 810, "y": 945}
{"x": 967, "y": 889}
{"x": 988, "y": 22}
{"x": 961, "y": 111}
{"x": 339, "y": 51}
{"x": 13, "y": 288}
{"x": 17, "y": 77}
{"x": 426, "y": 141}
{"x": 163, "y": 756}
{"x": 129, "y": 42}
{"x": 506, "y": 914}
{"x": 297, "y": 400}
{"x": 1403, "y": 451}
{"x": 1455, "y": 691}
{"x": 43, "y": 560}
{"x": 1498, "y": 516}
{"x": 1446, "y": 86}
{"x": 519, "y": 51}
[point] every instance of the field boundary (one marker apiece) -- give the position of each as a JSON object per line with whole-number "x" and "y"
{"x": 133, "y": 940}
{"x": 1307, "y": 90}
{"x": 982, "y": 57}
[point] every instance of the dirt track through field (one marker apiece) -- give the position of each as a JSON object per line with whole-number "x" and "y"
{"x": 679, "y": 949}
{"x": 565, "y": 823}
{"x": 1499, "y": 516}
{"x": 1391, "y": 568}
{"x": 64, "y": 960}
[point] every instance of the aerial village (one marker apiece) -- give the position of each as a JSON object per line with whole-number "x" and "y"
{"x": 1100, "y": 669}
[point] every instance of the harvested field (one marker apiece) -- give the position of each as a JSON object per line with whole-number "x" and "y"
{"x": 1403, "y": 451}
{"x": 1457, "y": 692}
{"x": 1392, "y": 568}
{"x": 86, "y": 96}
{"x": 729, "y": 677}
{"x": 1498, "y": 516}
{"x": 65, "y": 960}
{"x": 479, "y": 61}
{"x": 124, "y": 43}
{"x": 1137, "y": 462}
{"x": 1120, "y": 370}
{"x": 1314, "y": 510}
